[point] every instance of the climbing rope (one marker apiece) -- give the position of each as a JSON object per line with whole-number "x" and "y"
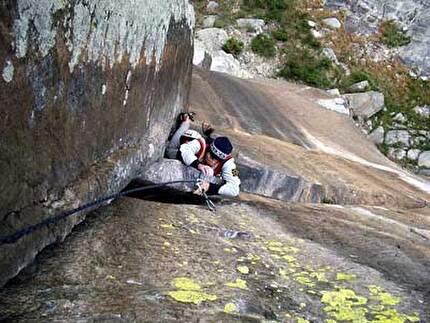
{"x": 26, "y": 231}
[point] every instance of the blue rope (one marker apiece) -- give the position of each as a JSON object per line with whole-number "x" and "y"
{"x": 26, "y": 231}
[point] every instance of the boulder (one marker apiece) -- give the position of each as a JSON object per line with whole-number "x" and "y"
{"x": 338, "y": 105}
{"x": 423, "y": 111}
{"x": 209, "y": 21}
{"x": 256, "y": 25}
{"x": 333, "y": 92}
{"x": 226, "y": 63}
{"x": 212, "y": 38}
{"x": 377, "y": 135}
{"x": 330, "y": 54}
{"x": 333, "y": 23}
{"x": 414, "y": 154}
{"x": 396, "y": 153}
{"x": 365, "y": 104}
{"x": 424, "y": 159}
{"x": 400, "y": 117}
{"x": 398, "y": 137}
{"x": 359, "y": 87}
{"x": 212, "y": 6}
{"x": 317, "y": 34}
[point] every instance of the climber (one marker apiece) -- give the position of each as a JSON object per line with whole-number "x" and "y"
{"x": 211, "y": 157}
{"x": 183, "y": 135}
{"x": 217, "y": 161}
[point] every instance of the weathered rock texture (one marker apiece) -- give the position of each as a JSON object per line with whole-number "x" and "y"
{"x": 89, "y": 91}
{"x": 365, "y": 16}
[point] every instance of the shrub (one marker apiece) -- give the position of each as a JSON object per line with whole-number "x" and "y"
{"x": 263, "y": 45}
{"x": 280, "y": 34}
{"x": 302, "y": 65}
{"x": 233, "y": 46}
{"x": 392, "y": 35}
{"x": 357, "y": 76}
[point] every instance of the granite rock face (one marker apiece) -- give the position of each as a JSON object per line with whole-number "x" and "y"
{"x": 365, "y": 16}
{"x": 89, "y": 92}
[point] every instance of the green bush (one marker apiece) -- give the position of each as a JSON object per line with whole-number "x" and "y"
{"x": 357, "y": 76}
{"x": 280, "y": 34}
{"x": 263, "y": 45}
{"x": 308, "y": 67}
{"x": 233, "y": 46}
{"x": 392, "y": 35}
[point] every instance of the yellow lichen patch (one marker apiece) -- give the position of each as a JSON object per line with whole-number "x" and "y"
{"x": 273, "y": 243}
{"x": 288, "y": 258}
{"x": 302, "y": 320}
{"x": 345, "y": 305}
{"x": 319, "y": 276}
{"x": 283, "y": 274}
{"x": 253, "y": 257}
{"x": 343, "y": 276}
{"x": 288, "y": 249}
{"x": 239, "y": 283}
{"x": 167, "y": 226}
{"x": 186, "y": 284}
{"x": 275, "y": 256}
{"x": 243, "y": 269}
{"x": 302, "y": 305}
{"x": 302, "y": 278}
{"x": 383, "y": 297}
{"x": 191, "y": 296}
{"x": 166, "y": 244}
{"x": 392, "y": 316}
{"x": 230, "y": 308}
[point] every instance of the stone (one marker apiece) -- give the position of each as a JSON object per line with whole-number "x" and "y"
{"x": 209, "y": 21}
{"x": 78, "y": 133}
{"x": 212, "y": 6}
{"x": 312, "y": 24}
{"x": 337, "y": 105}
{"x": 414, "y": 154}
{"x": 333, "y": 92}
{"x": 330, "y": 54}
{"x": 377, "y": 135}
{"x": 317, "y": 34}
{"x": 424, "y": 159}
{"x": 400, "y": 117}
{"x": 256, "y": 25}
{"x": 199, "y": 52}
{"x": 359, "y": 87}
{"x": 366, "y": 104}
{"x": 396, "y": 153}
{"x": 333, "y": 23}
{"x": 212, "y": 38}
{"x": 398, "y": 137}
{"x": 227, "y": 63}
{"x": 423, "y": 111}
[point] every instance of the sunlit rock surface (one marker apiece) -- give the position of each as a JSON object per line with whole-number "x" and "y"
{"x": 89, "y": 91}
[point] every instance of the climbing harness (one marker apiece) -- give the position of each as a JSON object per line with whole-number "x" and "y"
{"x": 26, "y": 231}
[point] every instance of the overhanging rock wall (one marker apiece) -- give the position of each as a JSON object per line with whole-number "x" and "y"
{"x": 88, "y": 93}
